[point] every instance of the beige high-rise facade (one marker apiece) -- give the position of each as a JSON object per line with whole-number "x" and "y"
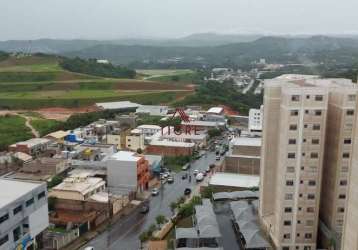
{"x": 337, "y": 160}
{"x": 296, "y": 109}
{"x": 350, "y": 230}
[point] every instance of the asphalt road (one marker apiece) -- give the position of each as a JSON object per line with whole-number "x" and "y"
{"x": 123, "y": 235}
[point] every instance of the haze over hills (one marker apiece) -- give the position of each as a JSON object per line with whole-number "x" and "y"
{"x": 274, "y": 49}
{"x": 61, "y": 46}
{"x": 201, "y": 49}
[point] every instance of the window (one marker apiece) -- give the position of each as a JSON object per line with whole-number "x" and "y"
{"x": 304, "y": 140}
{"x": 41, "y": 195}
{"x": 29, "y": 202}
{"x": 4, "y": 239}
{"x": 310, "y": 196}
{"x": 287, "y": 223}
{"x": 310, "y": 210}
{"x": 4, "y": 218}
{"x": 288, "y": 197}
{"x": 291, "y": 141}
{"x": 291, "y": 155}
{"x": 340, "y": 210}
{"x": 286, "y": 236}
{"x": 17, "y": 209}
{"x": 307, "y": 248}
{"x": 294, "y": 112}
{"x": 298, "y": 222}
{"x": 341, "y": 196}
{"x": 311, "y": 183}
{"x": 314, "y": 155}
{"x": 305, "y": 126}
{"x": 347, "y": 141}
{"x": 350, "y": 112}
{"x": 128, "y": 139}
{"x": 17, "y": 233}
{"x": 307, "y": 111}
{"x": 312, "y": 169}
{"x": 289, "y": 183}
{"x": 316, "y": 127}
{"x": 343, "y": 183}
{"x": 303, "y": 154}
{"x": 315, "y": 141}
{"x": 293, "y": 127}
{"x": 290, "y": 169}
{"x": 308, "y": 236}
{"x": 285, "y": 248}
{"x": 295, "y": 98}
{"x": 309, "y": 223}
{"x": 345, "y": 155}
{"x": 318, "y": 112}
{"x": 351, "y": 98}
{"x": 318, "y": 97}
{"x": 288, "y": 209}
{"x": 307, "y": 97}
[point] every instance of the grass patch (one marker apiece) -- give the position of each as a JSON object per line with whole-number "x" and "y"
{"x": 46, "y": 126}
{"x": 175, "y": 163}
{"x": 12, "y": 129}
{"x": 35, "y": 100}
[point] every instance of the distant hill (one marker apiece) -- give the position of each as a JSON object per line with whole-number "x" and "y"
{"x": 56, "y": 46}
{"x": 201, "y": 49}
{"x": 274, "y": 49}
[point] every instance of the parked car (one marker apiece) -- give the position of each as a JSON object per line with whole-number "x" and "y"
{"x": 89, "y": 248}
{"x": 144, "y": 209}
{"x": 199, "y": 177}
{"x": 217, "y": 157}
{"x": 187, "y": 191}
{"x": 196, "y": 172}
{"x": 207, "y": 170}
{"x": 170, "y": 179}
{"x": 165, "y": 175}
{"x": 155, "y": 191}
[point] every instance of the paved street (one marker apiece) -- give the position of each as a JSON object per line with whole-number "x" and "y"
{"x": 124, "y": 234}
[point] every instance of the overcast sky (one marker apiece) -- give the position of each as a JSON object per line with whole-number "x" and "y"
{"x": 115, "y": 19}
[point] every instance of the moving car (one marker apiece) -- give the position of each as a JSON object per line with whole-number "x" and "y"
{"x": 170, "y": 179}
{"x": 217, "y": 157}
{"x": 199, "y": 177}
{"x": 89, "y": 248}
{"x": 187, "y": 191}
{"x": 185, "y": 167}
{"x": 144, "y": 209}
{"x": 196, "y": 172}
{"x": 155, "y": 191}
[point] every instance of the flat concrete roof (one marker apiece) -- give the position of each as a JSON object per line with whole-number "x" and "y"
{"x": 14, "y": 189}
{"x": 246, "y": 141}
{"x": 118, "y": 105}
{"x": 125, "y": 156}
{"x": 234, "y": 180}
{"x": 172, "y": 144}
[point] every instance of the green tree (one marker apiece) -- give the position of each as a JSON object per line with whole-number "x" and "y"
{"x": 160, "y": 219}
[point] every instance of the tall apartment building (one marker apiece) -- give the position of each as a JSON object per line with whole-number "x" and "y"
{"x": 291, "y": 163}
{"x": 338, "y": 154}
{"x": 296, "y": 111}
{"x": 23, "y": 214}
{"x": 350, "y": 231}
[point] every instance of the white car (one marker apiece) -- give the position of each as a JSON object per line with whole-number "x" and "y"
{"x": 89, "y": 248}
{"x": 196, "y": 172}
{"x": 199, "y": 177}
{"x": 165, "y": 175}
{"x": 155, "y": 191}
